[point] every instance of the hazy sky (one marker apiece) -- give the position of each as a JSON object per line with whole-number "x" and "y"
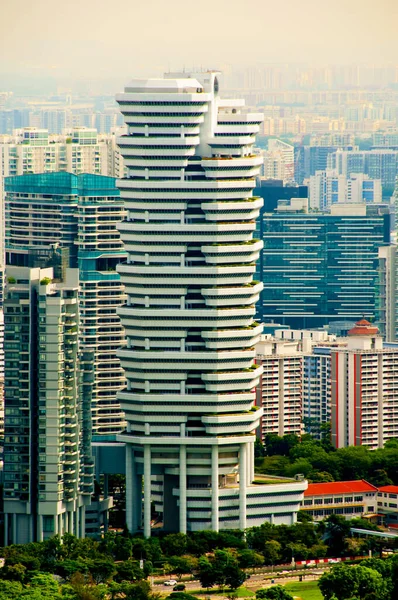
{"x": 122, "y": 38}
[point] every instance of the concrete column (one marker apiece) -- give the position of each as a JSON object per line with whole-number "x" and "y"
{"x": 5, "y": 529}
{"x": 14, "y": 529}
{"x": 77, "y": 521}
{"x": 242, "y": 486}
{"x": 39, "y": 532}
{"x": 83, "y": 522}
{"x": 60, "y": 529}
{"x": 129, "y": 488}
{"x": 31, "y": 529}
{"x": 214, "y": 488}
{"x": 251, "y": 462}
{"x": 66, "y": 521}
{"x": 183, "y": 489}
{"x": 248, "y": 464}
{"x": 71, "y": 523}
{"x": 147, "y": 491}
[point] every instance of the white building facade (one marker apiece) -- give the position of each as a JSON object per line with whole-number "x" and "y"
{"x": 48, "y": 470}
{"x": 189, "y": 360}
{"x": 364, "y": 390}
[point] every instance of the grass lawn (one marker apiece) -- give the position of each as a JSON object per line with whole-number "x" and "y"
{"x": 243, "y": 592}
{"x": 307, "y": 590}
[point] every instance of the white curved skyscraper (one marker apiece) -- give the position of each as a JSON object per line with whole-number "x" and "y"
{"x": 189, "y": 359}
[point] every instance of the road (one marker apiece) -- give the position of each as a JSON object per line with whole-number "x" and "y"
{"x": 256, "y": 581}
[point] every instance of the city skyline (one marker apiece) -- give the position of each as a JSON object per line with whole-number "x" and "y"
{"x": 153, "y": 37}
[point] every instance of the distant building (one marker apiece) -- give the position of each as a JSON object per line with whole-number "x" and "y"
{"x": 377, "y": 164}
{"x": 319, "y": 267}
{"x": 279, "y": 161}
{"x": 364, "y": 395}
{"x": 280, "y": 391}
{"x": 328, "y": 188}
{"x": 310, "y": 159}
{"x": 79, "y": 150}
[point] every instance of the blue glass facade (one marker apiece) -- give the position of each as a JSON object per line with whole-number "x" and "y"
{"x": 320, "y": 267}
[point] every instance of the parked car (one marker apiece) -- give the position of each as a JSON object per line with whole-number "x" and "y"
{"x": 180, "y": 587}
{"x": 170, "y": 582}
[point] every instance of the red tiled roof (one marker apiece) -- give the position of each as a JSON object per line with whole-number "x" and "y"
{"x": 392, "y": 489}
{"x": 363, "y": 327}
{"x": 339, "y": 487}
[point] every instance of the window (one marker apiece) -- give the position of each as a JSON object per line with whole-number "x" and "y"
{"x": 358, "y": 498}
{"x": 338, "y": 500}
{"x": 307, "y": 502}
{"x": 318, "y": 501}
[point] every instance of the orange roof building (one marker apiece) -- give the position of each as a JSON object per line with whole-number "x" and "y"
{"x": 363, "y": 327}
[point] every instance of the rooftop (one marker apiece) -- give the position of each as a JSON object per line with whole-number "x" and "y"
{"x": 391, "y": 489}
{"x": 363, "y": 327}
{"x": 340, "y": 487}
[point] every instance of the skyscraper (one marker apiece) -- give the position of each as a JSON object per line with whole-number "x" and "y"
{"x": 47, "y": 463}
{"x": 317, "y": 267}
{"x": 188, "y": 234}
{"x": 77, "y": 216}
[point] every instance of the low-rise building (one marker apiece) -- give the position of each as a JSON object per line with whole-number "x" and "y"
{"x": 387, "y": 503}
{"x": 347, "y": 498}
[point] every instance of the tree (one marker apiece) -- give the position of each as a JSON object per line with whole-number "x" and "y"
{"x": 206, "y": 573}
{"x": 259, "y": 450}
{"x": 128, "y": 571}
{"x": 380, "y": 477}
{"x": 336, "y": 531}
{"x": 345, "y": 582}
{"x": 356, "y": 546}
{"x": 10, "y": 590}
{"x": 122, "y": 548}
{"x": 249, "y": 559}
{"x": 272, "y": 552}
{"x": 318, "y": 551}
{"x": 299, "y": 551}
{"x": 234, "y": 577}
{"x": 180, "y": 565}
{"x": 101, "y": 570}
{"x": 304, "y": 517}
{"x": 174, "y": 544}
{"x": 16, "y": 572}
{"x": 276, "y": 592}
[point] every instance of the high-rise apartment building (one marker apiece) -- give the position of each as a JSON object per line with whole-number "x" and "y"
{"x": 48, "y": 470}
{"x": 280, "y": 390}
{"x": 279, "y": 161}
{"x": 318, "y": 267}
{"x": 364, "y": 394}
{"x": 78, "y": 150}
{"x": 77, "y": 216}
{"x": 380, "y": 164}
{"x": 310, "y": 159}
{"x": 328, "y": 187}
{"x": 188, "y": 234}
